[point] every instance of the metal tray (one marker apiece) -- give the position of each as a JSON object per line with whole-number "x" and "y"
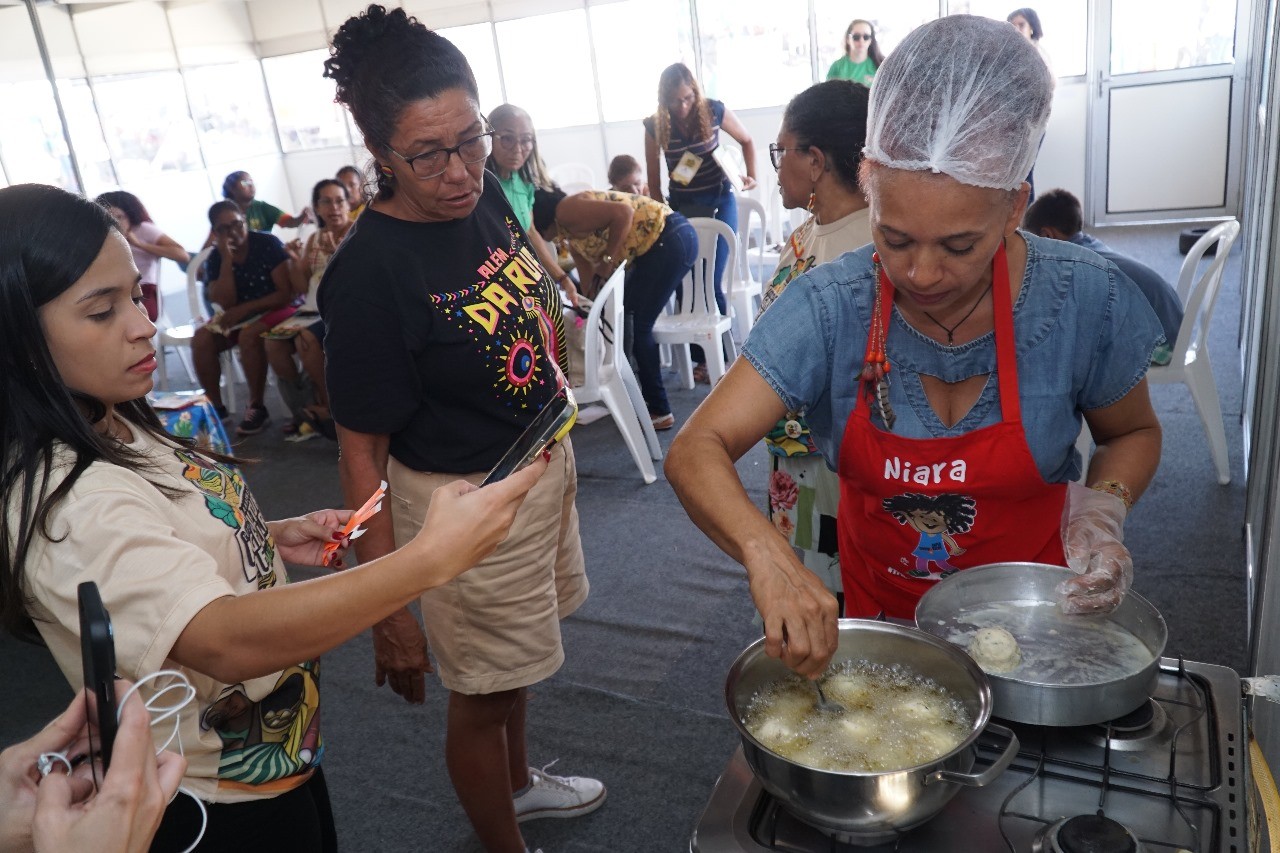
{"x": 1076, "y": 670}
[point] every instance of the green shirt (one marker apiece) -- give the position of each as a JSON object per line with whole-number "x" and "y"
{"x": 519, "y": 193}
{"x": 859, "y": 72}
{"x": 260, "y": 216}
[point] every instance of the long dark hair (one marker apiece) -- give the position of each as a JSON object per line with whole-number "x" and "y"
{"x": 958, "y": 510}
{"x": 383, "y": 61}
{"x": 48, "y": 239}
{"x": 873, "y": 49}
{"x": 832, "y": 117}
{"x": 134, "y": 211}
{"x": 698, "y": 125}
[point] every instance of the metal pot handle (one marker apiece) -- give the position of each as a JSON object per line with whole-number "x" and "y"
{"x": 977, "y": 780}
{"x": 1262, "y": 686}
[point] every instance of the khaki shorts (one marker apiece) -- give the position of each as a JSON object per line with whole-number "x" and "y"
{"x": 497, "y": 626}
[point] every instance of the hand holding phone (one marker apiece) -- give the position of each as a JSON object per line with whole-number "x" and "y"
{"x": 98, "y": 656}
{"x": 551, "y": 424}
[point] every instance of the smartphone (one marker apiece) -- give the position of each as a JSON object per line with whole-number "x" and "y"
{"x": 98, "y": 656}
{"x": 552, "y": 424}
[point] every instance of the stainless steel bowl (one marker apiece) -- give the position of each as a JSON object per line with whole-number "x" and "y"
{"x": 871, "y": 808}
{"x": 1050, "y": 700}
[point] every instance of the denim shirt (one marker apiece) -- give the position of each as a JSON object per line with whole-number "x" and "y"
{"x": 1084, "y": 331}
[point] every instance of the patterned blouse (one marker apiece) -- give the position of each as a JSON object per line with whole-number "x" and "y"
{"x": 648, "y": 219}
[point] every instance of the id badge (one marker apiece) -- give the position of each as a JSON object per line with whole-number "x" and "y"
{"x": 688, "y": 166}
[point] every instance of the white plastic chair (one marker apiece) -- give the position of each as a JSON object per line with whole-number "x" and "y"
{"x": 1190, "y": 361}
{"x": 580, "y": 176}
{"x": 179, "y": 337}
{"x": 746, "y": 290}
{"x": 608, "y": 378}
{"x": 698, "y": 320}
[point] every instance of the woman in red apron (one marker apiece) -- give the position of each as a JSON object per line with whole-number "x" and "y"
{"x": 945, "y": 374}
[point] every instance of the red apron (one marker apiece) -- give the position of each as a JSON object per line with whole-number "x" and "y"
{"x": 913, "y": 511}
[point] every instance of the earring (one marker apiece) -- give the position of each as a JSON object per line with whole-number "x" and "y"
{"x": 386, "y": 170}
{"x": 813, "y": 198}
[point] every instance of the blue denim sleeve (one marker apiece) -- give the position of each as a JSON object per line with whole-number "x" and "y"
{"x": 1128, "y": 333}
{"x": 788, "y": 346}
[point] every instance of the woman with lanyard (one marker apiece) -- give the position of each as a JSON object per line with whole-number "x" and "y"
{"x": 686, "y": 129}
{"x": 442, "y": 343}
{"x": 943, "y": 370}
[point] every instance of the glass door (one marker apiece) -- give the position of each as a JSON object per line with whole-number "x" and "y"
{"x": 1167, "y": 117}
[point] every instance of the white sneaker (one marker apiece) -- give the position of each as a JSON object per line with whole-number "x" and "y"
{"x": 558, "y": 796}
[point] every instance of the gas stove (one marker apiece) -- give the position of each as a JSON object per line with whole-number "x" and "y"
{"x": 1172, "y": 776}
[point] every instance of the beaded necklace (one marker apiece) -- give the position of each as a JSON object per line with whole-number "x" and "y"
{"x": 876, "y": 367}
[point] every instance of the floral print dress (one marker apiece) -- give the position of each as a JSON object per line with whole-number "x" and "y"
{"x": 804, "y": 494}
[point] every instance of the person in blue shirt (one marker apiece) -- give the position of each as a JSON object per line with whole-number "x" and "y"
{"x": 1057, "y": 215}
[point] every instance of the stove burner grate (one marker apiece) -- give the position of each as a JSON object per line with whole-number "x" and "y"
{"x": 1136, "y": 720}
{"x": 1092, "y": 834}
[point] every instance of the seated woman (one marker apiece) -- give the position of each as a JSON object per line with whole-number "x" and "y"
{"x": 189, "y": 568}
{"x": 248, "y": 276}
{"x": 605, "y": 228}
{"x": 303, "y": 332}
{"x": 239, "y": 187}
{"x": 817, "y": 155}
{"x": 357, "y": 196}
{"x": 147, "y": 242}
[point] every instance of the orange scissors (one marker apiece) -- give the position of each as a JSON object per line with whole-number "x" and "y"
{"x": 352, "y": 529}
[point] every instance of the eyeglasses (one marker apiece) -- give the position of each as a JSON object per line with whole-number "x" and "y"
{"x": 860, "y": 37}
{"x": 511, "y": 140}
{"x": 433, "y": 163}
{"x": 230, "y": 227}
{"x": 775, "y": 154}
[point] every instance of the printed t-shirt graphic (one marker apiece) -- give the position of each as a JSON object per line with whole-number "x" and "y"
{"x": 279, "y": 735}
{"x": 441, "y": 335}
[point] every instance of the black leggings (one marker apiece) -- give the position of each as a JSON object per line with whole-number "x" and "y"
{"x": 298, "y": 821}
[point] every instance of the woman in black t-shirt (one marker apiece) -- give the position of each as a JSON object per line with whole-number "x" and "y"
{"x": 444, "y": 339}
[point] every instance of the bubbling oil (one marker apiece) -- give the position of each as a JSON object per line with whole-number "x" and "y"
{"x": 892, "y": 719}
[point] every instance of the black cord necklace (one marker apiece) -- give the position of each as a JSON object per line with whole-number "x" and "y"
{"x": 951, "y": 332}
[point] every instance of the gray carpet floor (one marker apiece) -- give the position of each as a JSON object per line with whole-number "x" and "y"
{"x": 639, "y": 701}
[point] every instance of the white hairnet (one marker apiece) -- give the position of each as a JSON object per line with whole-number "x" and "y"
{"x": 964, "y": 96}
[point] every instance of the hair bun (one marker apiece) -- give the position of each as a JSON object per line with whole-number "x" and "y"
{"x": 360, "y": 37}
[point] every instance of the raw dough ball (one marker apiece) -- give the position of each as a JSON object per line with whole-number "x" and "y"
{"x": 995, "y": 650}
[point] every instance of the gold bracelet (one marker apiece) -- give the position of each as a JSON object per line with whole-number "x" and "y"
{"x": 1117, "y": 488}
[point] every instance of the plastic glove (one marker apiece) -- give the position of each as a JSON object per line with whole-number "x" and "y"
{"x": 1093, "y": 536}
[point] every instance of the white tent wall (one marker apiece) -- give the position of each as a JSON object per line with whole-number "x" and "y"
{"x": 1062, "y": 156}
{"x": 109, "y": 42}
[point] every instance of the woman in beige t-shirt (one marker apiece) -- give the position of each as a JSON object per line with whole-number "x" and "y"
{"x": 191, "y": 572}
